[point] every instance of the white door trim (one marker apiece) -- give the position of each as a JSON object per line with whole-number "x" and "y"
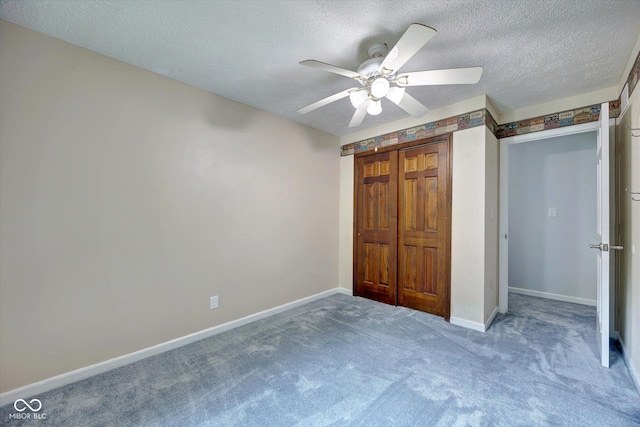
{"x": 505, "y": 143}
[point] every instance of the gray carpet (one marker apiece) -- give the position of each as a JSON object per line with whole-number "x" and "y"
{"x": 349, "y": 361}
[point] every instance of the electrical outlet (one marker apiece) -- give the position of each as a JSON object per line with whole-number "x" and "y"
{"x": 213, "y": 302}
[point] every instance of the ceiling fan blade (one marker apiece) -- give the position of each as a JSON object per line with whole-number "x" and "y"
{"x": 452, "y": 76}
{"x": 325, "y": 101}
{"x": 412, "y": 106}
{"x": 416, "y": 36}
{"x": 358, "y": 116}
{"x": 332, "y": 69}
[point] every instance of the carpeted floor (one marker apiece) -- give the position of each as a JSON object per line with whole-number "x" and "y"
{"x": 350, "y": 361}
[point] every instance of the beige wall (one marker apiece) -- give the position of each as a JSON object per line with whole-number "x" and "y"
{"x": 628, "y": 268}
{"x": 128, "y": 199}
{"x": 491, "y": 210}
{"x": 346, "y": 221}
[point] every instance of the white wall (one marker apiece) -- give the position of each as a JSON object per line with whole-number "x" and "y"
{"x": 128, "y": 199}
{"x": 551, "y": 254}
{"x": 468, "y": 226}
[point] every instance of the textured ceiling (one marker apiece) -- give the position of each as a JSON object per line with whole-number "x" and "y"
{"x": 532, "y": 51}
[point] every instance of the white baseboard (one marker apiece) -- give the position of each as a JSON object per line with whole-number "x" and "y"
{"x": 490, "y": 319}
{"x": 557, "y": 297}
{"x": 469, "y": 324}
{"x": 476, "y": 326}
{"x": 98, "y": 368}
{"x": 629, "y": 363}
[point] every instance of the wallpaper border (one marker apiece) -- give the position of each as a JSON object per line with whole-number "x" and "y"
{"x": 483, "y": 117}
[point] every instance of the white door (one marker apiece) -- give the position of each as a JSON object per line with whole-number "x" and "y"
{"x": 603, "y": 235}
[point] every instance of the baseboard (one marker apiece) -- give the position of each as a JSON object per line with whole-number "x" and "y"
{"x": 629, "y": 363}
{"x": 557, "y": 297}
{"x": 98, "y": 368}
{"x": 476, "y": 326}
{"x": 490, "y": 319}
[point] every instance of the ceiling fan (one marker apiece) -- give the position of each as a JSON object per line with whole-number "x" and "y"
{"x": 379, "y": 78}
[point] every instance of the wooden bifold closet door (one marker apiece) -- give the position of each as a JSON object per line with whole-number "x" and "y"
{"x": 402, "y": 227}
{"x": 376, "y": 218}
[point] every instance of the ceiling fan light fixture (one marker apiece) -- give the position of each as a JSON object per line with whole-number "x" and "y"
{"x": 380, "y": 87}
{"x": 395, "y": 94}
{"x": 374, "y": 108}
{"x": 377, "y": 75}
{"x": 357, "y": 97}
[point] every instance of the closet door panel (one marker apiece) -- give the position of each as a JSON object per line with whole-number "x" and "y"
{"x": 423, "y": 228}
{"x": 375, "y": 272}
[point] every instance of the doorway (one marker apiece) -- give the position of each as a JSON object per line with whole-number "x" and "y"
{"x": 552, "y": 218}
{"x": 402, "y": 230}
{"x": 505, "y": 145}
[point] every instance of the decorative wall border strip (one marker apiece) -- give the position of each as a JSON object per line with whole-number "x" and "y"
{"x": 440, "y": 127}
{"x": 576, "y": 116}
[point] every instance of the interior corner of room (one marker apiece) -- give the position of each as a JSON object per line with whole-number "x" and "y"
{"x": 128, "y": 200}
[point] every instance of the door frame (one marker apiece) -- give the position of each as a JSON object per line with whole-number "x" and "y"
{"x": 446, "y": 137}
{"x": 503, "y": 246}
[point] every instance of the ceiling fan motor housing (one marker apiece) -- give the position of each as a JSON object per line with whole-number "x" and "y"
{"x": 370, "y": 66}
{"x": 377, "y": 53}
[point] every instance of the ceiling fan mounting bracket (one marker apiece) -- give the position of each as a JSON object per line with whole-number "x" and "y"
{"x": 377, "y": 50}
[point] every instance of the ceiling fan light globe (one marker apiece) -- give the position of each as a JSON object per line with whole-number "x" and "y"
{"x": 358, "y": 97}
{"x": 374, "y": 108}
{"x": 380, "y": 87}
{"x": 395, "y": 94}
